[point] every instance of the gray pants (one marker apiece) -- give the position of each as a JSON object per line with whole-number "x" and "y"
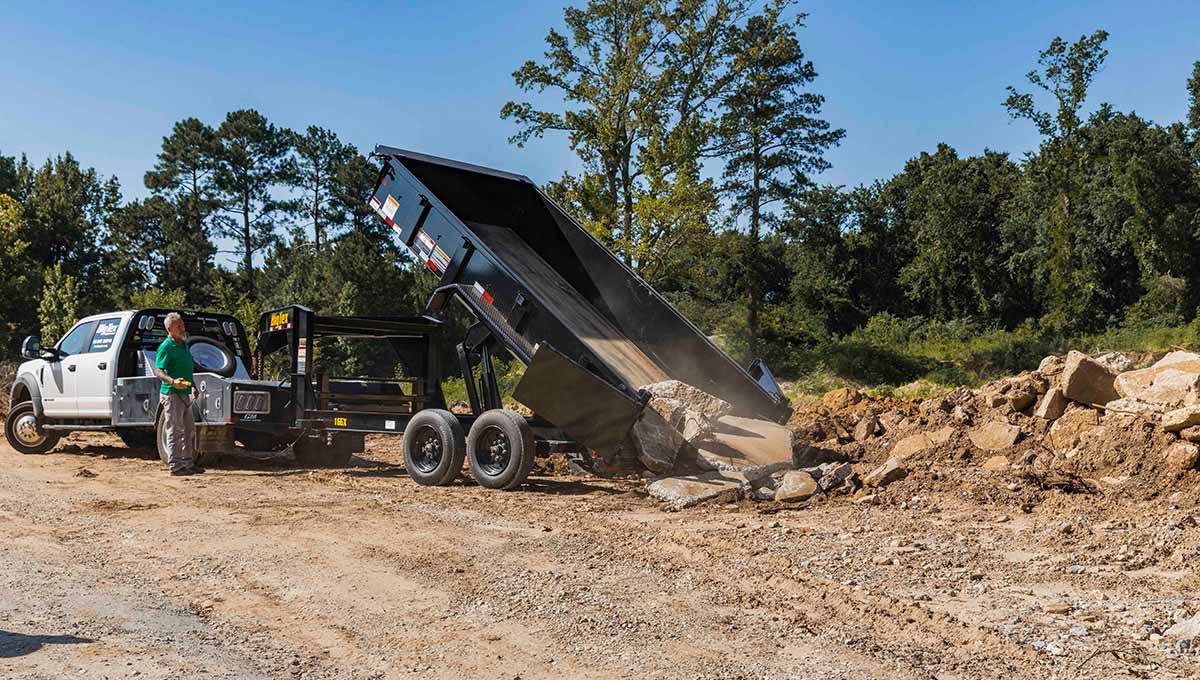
{"x": 180, "y": 430}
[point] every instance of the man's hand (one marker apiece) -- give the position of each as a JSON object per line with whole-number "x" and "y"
{"x": 177, "y": 383}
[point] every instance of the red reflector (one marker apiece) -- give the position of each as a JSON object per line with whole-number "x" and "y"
{"x": 487, "y": 297}
{"x": 389, "y": 221}
{"x": 432, "y": 266}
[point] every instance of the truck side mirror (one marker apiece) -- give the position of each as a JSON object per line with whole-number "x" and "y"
{"x": 31, "y": 347}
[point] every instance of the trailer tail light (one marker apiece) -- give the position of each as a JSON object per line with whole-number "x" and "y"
{"x": 251, "y": 402}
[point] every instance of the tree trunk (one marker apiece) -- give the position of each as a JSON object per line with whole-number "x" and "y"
{"x": 247, "y": 247}
{"x": 753, "y": 286}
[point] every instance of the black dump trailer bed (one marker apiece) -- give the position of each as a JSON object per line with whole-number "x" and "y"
{"x": 590, "y": 331}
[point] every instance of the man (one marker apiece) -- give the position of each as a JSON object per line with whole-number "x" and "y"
{"x": 173, "y": 366}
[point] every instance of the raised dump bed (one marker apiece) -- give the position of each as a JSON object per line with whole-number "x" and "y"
{"x": 590, "y": 331}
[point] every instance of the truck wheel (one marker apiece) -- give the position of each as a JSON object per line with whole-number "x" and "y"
{"x": 434, "y": 447}
{"x": 24, "y": 433}
{"x": 137, "y": 439}
{"x": 160, "y": 440}
{"x": 500, "y": 447}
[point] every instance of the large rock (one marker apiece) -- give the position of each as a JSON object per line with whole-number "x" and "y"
{"x": 831, "y": 475}
{"x": 866, "y": 428}
{"x": 1135, "y": 407}
{"x": 796, "y": 485}
{"x": 1187, "y": 629}
{"x": 1182, "y": 456}
{"x": 1115, "y": 362}
{"x": 911, "y": 445}
{"x": 1173, "y": 381}
{"x": 892, "y": 471}
{"x": 1075, "y": 423}
{"x": 996, "y": 464}
{"x": 656, "y": 441}
{"x": 1190, "y": 434}
{"x": 1087, "y": 382}
{"x": 1181, "y": 418}
{"x": 942, "y": 436}
{"x": 690, "y": 410}
{"x": 995, "y": 436}
{"x": 738, "y": 443}
{"x": 1052, "y": 365}
{"x": 841, "y": 398}
{"x": 688, "y": 490}
{"x": 1052, "y": 405}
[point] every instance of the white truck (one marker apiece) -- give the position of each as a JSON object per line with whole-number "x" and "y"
{"x": 99, "y": 376}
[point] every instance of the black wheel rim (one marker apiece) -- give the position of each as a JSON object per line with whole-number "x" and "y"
{"x": 427, "y": 450}
{"x": 493, "y": 451}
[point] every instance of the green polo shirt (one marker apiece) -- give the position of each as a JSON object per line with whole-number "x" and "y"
{"x": 176, "y": 361}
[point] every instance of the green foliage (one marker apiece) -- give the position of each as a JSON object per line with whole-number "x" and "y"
{"x": 156, "y": 297}
{"x": 16, "y": 269}
{"x": 58, "y": 309}
{"x": 230, "y": 299}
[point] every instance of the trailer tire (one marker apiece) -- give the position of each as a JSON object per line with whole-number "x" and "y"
{"x": 160, "y": 439}
{"x": 23, "y": 430}
{"x": 501, "y": 448}
{"x": 434, "y": 447}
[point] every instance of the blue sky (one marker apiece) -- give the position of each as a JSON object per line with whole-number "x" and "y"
{"x": 107, "y": 80}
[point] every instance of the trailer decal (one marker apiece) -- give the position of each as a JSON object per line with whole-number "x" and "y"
{"x": 389, "y": 208}
{"x": 486, "y": 296}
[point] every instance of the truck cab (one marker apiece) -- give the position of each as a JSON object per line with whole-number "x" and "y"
{"x": 100, "y": 375}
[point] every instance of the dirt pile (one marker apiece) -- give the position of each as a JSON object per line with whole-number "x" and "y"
{"x": 1112, "y": 424}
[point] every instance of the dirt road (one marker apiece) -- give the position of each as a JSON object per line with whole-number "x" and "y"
{"x": 112, "y": 569}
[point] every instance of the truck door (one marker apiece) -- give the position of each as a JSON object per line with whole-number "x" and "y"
{"x": 94, "y": 369}
{"x": 58, "y": 378}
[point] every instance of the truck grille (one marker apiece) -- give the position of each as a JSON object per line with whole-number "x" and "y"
{"x": 251, "y": 402}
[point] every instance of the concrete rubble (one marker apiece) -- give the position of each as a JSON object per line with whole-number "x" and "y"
{"x": 1101, "y": 412}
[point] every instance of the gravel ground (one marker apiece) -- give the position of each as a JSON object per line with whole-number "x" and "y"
{"x": 113, "y": 569}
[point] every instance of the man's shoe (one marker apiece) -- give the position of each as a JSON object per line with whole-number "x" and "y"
{"x": 183, "y": 472}
{"x": 196, "y": 470}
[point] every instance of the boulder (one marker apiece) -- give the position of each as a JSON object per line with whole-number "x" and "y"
{"x": 1182, "y": 456}
{"x": 690, "y": 410}
{"x": 1134, "y": 407}
{"x": 796, "y": 485}
{"x": 1075, "y": 423}
{"x": 911, "y": 445}
{"x": 1087, "y": 382}
{"x": 738, "y": 443}
{"x": 995, "y": 435}
{"x": 656, "y": 442}
{"x": 996, "y": 463}
{"x": 1181, "y": 418}
{"x": 688, "y": 490}
{"x": 1173, "y": 381}
{"x": 1022, "y": 397}
{"x": 892, "y": 471}
{"x": 1190, "y": 434}
{"x": 1052, "y": 405}
{"x": 831, "y": 475}
{"x": 841, "y": 398}
{"x": 866, "y": 428}
{"x": 939, "y": 437}
{"x": 1115, "y": 362}
{"x": 1051, "y": 365}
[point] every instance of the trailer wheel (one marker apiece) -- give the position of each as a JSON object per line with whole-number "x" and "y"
{"x": 434, "y": 447}
{"x": 500, "y": 447}
{"x": 160, "y": 439}
{"x": 25, "y": 434}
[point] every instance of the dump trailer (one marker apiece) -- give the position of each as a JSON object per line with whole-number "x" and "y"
{"x": 589, "y": 330}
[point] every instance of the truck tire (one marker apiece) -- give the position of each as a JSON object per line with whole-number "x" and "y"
{"x": 434, "y": 447}
{"x": 160, "y": 440}
{"x": 500, "y": 448}
{"x": 138, "y": 439}
{"x": 25, "y": 434}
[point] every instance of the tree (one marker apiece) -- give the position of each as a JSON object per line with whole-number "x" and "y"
{"x": 1065, "y": 72}
{"x": 354, "y": 184}
{"x": 183, "y": 176}
{"x": 16, "y": 268}
{"x": 638, "y": 81}
{"x": 1193, "y": 116}
{"x": 9, "y": 181}
{"x": 251, "y": 159}
{"x": 58, "y": 308}
{"x": 320, "y": 155}
{"x": 158, "y": 297}
{"x": 67, "y": 210}
{"x": 769, "y": 133}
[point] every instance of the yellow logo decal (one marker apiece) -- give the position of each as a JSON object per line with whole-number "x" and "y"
{"x": 339, "y": 422}
{"x": 279, "y": 319}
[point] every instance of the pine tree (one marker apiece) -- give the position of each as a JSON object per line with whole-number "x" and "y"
{"x": 251, "y": 160}
{"x": 16, "y": 268}
{"x": 320, "y": 155}
{"x": 770, "y": 135}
